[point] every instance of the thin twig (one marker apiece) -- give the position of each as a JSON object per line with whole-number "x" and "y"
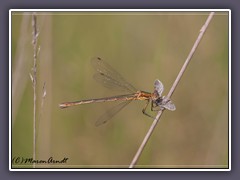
{"x": 157, "y": 118}
{"x": 202, "y": 31}
{"x": 44, "y": 93}
{"x": 34, "y": 80}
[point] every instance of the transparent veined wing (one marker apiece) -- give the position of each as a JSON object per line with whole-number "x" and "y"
{"x": 110, "y": 78}
{"x": 111, "y": 112}
{"x": 158, "y": 86}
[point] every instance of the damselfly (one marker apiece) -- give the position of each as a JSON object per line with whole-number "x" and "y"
{"x": 110, "y": 78}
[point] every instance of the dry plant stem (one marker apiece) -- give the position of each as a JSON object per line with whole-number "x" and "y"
{"x": 202, "y": 31}
{"x": 44, "y": 93}
{"x": 34, "y": 80}
{"x": 150, "y": 131}
{"x": 146, "y": 138}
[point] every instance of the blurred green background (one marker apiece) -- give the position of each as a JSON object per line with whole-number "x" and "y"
{"x": 142, "y": 46}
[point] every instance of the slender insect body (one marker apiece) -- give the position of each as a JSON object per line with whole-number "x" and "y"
{"x": 109, "y": 78}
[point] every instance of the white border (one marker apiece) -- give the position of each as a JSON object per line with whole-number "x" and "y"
{"x": 229, "y": 88}
{"x": 117, "y": 10}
